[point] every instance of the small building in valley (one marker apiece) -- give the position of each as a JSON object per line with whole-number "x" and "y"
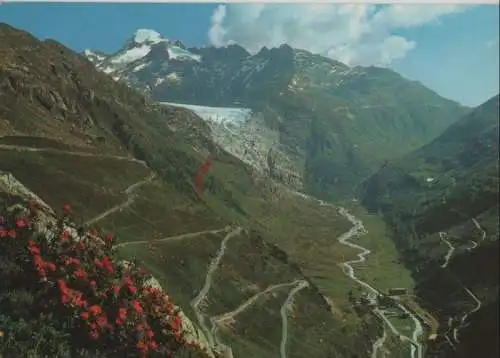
{"x": 397, "y": 291}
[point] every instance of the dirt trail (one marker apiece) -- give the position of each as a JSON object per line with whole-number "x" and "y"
{"x": 462, "y": 324}
{"x": 212, "y": 267}
{"x": 379, "y": 343}
{"x": 483, "y": 232}
{"x": 444, "y": 238}
{"x": 357, "y": 230}
{"x": 130, "y": 191}
{"x": 463, "y": 320}
{"x": 284, "y": 318}
{"x": 229, "y": 315}
{"x": 174, "y": 238}
{"x": 68, "y": 152}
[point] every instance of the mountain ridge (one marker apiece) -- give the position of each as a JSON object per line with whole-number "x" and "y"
{"x": 127, "y": 164}
{"x": 441, "y": 204}
{"x": 329, "y": 117}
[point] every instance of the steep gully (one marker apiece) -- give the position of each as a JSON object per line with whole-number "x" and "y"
{"x": 358, "y": 229}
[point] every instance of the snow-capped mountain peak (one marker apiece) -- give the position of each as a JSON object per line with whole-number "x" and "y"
{"x": 147, "y": 36}
{"x": 145, "y": 51}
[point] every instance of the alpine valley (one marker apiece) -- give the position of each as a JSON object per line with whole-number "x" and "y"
{"x": 348, "y": 212}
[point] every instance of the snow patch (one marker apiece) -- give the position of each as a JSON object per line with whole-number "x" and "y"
{"x": 107, "y": 69}
{"x": 159, "y": 81}
{"x": 145, "y": 35}
{"x": 173, "y": 77}
{"x": 222, "y": 115}
{"x": 140, "y": 67}
{"x": 89, "y": 53}
{"x": 177, "y": 53}
{"x": 131, "y": 55}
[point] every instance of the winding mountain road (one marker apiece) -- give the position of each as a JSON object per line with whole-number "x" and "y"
{"x": 284, "y": 317}
{"x": 230, "y": 315}
{"x": 379, "y": 343}
{"x": 356, "y": 230}
{"x": 359, "y": 229}
{"x": 483, "y": 232}
{"x": 68, "y": 152}
{"x": 444, "y": 238}
{"x": 174, "y": 238}
{"x": 212, "y": 267}
{"x": 463, "y": 320}
{"x": 477, "y": 301}
{"x": 130, "y": 192}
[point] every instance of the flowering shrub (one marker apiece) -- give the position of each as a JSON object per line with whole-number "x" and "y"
{"x": 98, "y": 305}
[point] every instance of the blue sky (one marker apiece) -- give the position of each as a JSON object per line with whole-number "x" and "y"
{"x": 452, "y": 50}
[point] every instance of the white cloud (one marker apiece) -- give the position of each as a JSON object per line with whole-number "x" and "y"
{"x": 354, "y": 34}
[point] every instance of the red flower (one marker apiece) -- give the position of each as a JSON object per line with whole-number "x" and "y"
{"x": 21, "y": 223}
{"x": 95, "y": 310}
{"x": 50, "y": 266}
{"x": 176, "y": 323}
{"x": 128, "y": 281}
{"x": 62, "y": 285}
{"x": 116, "y": 289}
{"x": 84, "y": 316}
{"x": 108, "y": 238}
{"x": 137, "y": 306}
{"x": 80, "y": 274}
{"x": 11, "y": 233}
{"x": 93, "y": 334}
{"x": 142, "y": 346}
{"x": 150, "y": 334}
{"x": 65, "y": 235}
{"x": 3, "y": 233}
{"x": 122, "y": 314}
{"x": 102, "y": 321}
{"x": 34, "y": 249}
{"x": 132, "y": 289}
{"x": 153, "y": 345}
{"x": 66, "y": 209}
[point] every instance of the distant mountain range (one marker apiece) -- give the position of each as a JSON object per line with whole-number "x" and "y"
{"x": 333, "y": 124}
{"x": 121, "y": 138}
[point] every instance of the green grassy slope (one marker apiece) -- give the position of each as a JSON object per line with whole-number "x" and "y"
{"x": 448, "y": 189}
{"x": 95, "y": 165}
